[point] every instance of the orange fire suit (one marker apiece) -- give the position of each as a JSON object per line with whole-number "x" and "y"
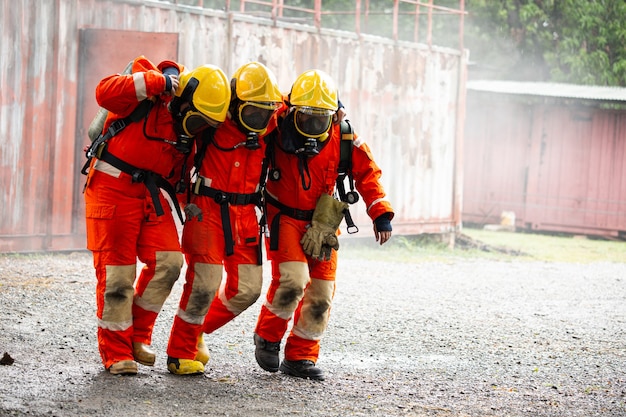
{"x": 228, "y": 237}
{"x": 302, "y": 287}
{"x": 122, "y": 212}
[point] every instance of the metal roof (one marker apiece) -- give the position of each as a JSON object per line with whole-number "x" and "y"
{"x": 542, "y": 89}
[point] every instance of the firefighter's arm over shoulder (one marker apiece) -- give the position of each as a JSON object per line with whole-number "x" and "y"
{"x": 120, "y": 93}
{"x": 367, "y": 181}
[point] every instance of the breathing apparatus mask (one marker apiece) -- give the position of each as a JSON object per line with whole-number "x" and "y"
{"x": 252, "y": 118}
{"x": 255, "y": 98}
{"x": 188, "y": 121}
{"x": 305, "y": 130}
{"x": 313, "y": 98}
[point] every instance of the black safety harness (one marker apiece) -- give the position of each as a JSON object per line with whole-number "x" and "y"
{"x": 224, "y": 199}
{"x": 153, "y": 181}
{"x": 344, "y": 171}
{"x": 294, "y": 213}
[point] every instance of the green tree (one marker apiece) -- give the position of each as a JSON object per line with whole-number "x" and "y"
{"x": 574, "y": 41}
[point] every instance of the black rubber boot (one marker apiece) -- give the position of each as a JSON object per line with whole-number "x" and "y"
{"x": 266, "y": 353}
{"x": 302, "y": 369}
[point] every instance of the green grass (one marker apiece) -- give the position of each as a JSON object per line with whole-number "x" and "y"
{"x": 555, "y": 248}
{"x": 484, "y": 244}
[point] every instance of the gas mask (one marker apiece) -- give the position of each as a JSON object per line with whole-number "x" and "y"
{"x": 252, "y": 118}
{"x": 188, "y": 121}
{"x": 305, "y": 130}
{"x": 189, "y": 124}
{"x": 312, "y": 122}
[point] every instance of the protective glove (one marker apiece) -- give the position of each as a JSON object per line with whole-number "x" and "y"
{"x": 322, "y": 233}
{"x": 191, "y": 211}
{"x": 382, "y": 227}
{"x": 383, "y": 224}
{"x": 327, "y": 250}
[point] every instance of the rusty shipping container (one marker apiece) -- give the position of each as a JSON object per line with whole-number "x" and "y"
{"x": 405, "y": 99}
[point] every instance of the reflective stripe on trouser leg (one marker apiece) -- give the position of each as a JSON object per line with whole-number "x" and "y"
{"x": 283, "y": 297}
{"x": 158, "y": 248}
{"x": 311, "y": 317}
{"x": 148, "y": 303}
{"x": 114, "y": 211}
{"x": 115, "y": 321}
{"x": 310, "y": 321}
{"x": 201, "y": 283}
{"x": 236, "y": 294}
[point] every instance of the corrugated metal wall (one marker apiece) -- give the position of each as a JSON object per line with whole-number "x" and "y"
{"x": 559, "y": 166}
{"x": 405, "y": 99}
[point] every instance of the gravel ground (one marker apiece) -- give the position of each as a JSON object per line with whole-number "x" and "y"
{"x": 464, "y": 337}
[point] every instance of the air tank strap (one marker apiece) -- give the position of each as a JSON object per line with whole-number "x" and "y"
{"x": 150, "y": 179}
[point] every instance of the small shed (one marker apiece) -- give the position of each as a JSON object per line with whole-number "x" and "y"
{"x": 552, "y": 154}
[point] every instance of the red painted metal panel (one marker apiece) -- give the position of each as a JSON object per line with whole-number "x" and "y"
{"x": 558, "y": 166}
{"x": 26, "y": 125}
{"x": 579, "y": 171}
{"x": 496, "y": 151}
{"x": 561, "y": 169}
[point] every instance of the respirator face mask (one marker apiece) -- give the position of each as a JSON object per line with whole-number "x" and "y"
{"x": 188, "y": 125}
{"x": 313, "y": 122}
{"x": 194, "y": 122}
{"x": 255, "y": 116}
{"x": 188, "y": 121}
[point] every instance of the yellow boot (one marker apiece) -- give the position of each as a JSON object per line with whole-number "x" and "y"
{"x": 143, "y": 354}
{"x": 184, "y": 366}
{"x": 203, "y": 352}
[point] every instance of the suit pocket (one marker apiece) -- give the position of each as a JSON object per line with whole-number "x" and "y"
{"x": 195, "y": 239}
{"x": 99, "y": 222}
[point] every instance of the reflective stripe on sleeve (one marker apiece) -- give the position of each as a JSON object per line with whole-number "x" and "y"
{"x": 140, "y": 86}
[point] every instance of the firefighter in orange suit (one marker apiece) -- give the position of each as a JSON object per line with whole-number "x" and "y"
{"x": 303, "y": 219}
{"x": 225, "y": 233}
{"x": 127, "y": 216}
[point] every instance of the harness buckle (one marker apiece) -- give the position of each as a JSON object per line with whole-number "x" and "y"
{"x": 99, "y": 150}
{"x": 220, "y": 197}
{"x": 116, "y": 126}
{"x": 352, "y": 197}
{"x": 138, "y": 176}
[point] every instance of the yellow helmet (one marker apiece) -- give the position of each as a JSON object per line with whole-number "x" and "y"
{"x": 255, "y": 95}
{"x": 207, "y": 92}
{"x": 314, "y": 97}
{"x": 255, "y": 82}
{"x": 314, "y": 88}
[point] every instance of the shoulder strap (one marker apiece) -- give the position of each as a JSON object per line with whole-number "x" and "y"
{"x": 205, "y": 140}
{"x": 345, "y": 170}
{"x": 268, "y": 158}
{"x": 345, "y": 152}
{"x": 141, "y": 111}
{"x": 345, "y": 164}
